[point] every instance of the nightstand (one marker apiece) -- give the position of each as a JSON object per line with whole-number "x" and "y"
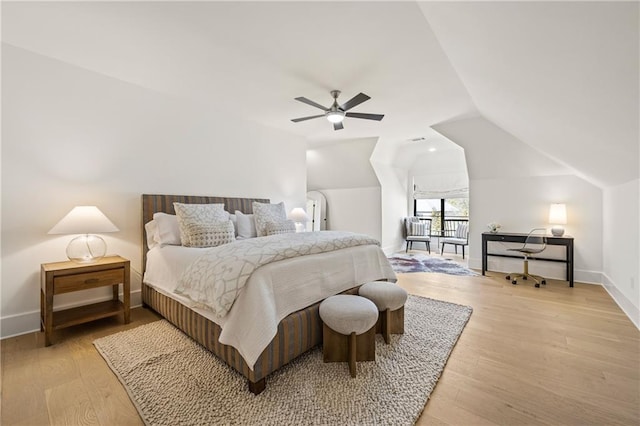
{"x": 66, "y": 277}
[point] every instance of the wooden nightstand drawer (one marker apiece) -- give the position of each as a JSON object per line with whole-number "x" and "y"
{"x": 86, "y": 281}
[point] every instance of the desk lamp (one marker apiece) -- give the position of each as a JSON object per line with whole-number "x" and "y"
{"x": 557, "y": 217}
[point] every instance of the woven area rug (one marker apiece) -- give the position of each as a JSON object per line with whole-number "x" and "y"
{"x": 174, "y": 381}
{"x": 417, "y": 262}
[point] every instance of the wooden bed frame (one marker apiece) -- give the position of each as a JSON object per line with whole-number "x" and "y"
{"x": 297, "y": 333}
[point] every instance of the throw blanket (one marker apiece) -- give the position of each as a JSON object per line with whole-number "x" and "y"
{"x": 214, "y": 280}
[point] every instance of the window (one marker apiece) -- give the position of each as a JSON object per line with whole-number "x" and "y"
{"x": 440, "y": 209}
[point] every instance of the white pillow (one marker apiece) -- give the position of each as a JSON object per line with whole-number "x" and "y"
{"x": 234, "y": 220}
{"x": 246, "y": 225}
{"x": 168, "y": 232}
{"x": 282, "y": 227}
{"x": 264, "y": 212}
{"x": 202, "y": 214}
{"x": 210, "y": 235}
{"x": 151, "y": 229}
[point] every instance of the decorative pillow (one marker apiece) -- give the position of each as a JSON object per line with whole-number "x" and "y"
{"x": 234, "y": 220}
{"x": 201, "y": 214}
{"x": 264, "y": 212}
{"x": 282, "y": 227}
{"x": 246, "y": 225}
{"x": 210, "y": 235}
{"x": 418, "y": 229}
{"x": 462, "y": 230}
{"x": 151, "y": 229}
{"x": 168, "y": 231}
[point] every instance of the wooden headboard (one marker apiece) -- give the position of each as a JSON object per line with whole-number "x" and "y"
{"x": 154, "y": 203}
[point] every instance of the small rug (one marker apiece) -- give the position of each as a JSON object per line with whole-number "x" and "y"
{"x": 403, "y": 263}
{"x": 172, "y": 380}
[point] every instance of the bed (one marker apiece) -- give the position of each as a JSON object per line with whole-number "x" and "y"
{"x": 293, "y": 332}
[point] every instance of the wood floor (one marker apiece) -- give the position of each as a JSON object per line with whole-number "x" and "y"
{"x": 550, "y": 356}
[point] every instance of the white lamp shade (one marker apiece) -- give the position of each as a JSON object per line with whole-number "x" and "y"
{"x": 298, "y": 215}
{"x": 557, "y": 217}
{"x": 558, "y": 214}
{"x": 84, "y": 220}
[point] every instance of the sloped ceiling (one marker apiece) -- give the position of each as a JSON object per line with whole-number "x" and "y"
{"x": 562, "y": 78}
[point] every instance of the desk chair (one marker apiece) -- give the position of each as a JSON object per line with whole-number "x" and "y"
{"x": 417, "y": 229}
{"x": 535, "y": 243}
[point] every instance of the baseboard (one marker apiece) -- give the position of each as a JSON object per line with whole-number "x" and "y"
{"x": 632, "y": 311}
{"x": 389, "y": 250}
{"x": 552, "y": 270}
{"x": 28, "y": 322}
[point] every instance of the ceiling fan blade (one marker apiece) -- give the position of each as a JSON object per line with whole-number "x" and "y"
{"x": 296, "y": 120}
{"x": 310, "y": 102}
{"x": 355, "y": 101}
{"x": 338, "y": 126}
{"x": 376, "y": 117}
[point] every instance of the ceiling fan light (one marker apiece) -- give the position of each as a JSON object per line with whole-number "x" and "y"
{"x": 335, "y": 116}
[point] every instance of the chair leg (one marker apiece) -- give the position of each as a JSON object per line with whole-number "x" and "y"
{"x": 442, "y": 250}
{"x": 455, "y": 246}
{"x": 462, "y": 252}
{"x": 525, "y": 275}
{"x": 428, "y": 247}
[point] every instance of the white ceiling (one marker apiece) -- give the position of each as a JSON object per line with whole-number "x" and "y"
{"x": 562, "y": 78}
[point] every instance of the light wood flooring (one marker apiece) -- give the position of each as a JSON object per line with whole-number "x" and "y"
{"x": 550, "y": 356}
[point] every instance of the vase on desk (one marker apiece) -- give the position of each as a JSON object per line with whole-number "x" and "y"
{"x": 493, "y": 227}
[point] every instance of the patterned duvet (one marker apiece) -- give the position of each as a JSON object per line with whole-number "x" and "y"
{"x": 214, "y": 280}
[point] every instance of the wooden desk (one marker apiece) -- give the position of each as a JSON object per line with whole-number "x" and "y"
{"x": 507, "y": 237}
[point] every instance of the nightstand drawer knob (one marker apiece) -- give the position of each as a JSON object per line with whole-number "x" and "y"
{"x": 91, "y": 280}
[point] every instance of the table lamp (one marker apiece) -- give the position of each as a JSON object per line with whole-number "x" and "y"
{"x": 300, "y": 217}
{"x": 86, "y": 220}
{"x": 557, "y": 217}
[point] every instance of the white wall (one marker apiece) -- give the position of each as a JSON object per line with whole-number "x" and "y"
{"x": 73, "y": 137}
{"x": 520, "y": 204}
{"x": 345, "y": 210}
{"x": 343, "y": 173}
{"x": 621, "y": 237}
{"x": 514, "y": 184}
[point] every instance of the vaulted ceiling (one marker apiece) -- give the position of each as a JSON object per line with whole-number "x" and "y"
{"x": 562, "y": 78}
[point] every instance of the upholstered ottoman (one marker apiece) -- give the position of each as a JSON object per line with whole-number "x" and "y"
{"x": 389, "y": 298}
{"x": 348, "y": 331}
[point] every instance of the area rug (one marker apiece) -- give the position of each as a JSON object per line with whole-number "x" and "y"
{"x": 174, "y": 381}
{"x": 417, "y": 262}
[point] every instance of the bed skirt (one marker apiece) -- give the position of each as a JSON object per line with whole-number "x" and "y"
{"x": 297, "y": 333}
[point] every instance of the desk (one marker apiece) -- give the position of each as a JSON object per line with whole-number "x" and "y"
{"x": 507, "y": 237}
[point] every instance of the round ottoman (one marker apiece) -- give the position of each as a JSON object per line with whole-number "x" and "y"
{"x": 389, "y": 298}
{"x": 348, "y": 332}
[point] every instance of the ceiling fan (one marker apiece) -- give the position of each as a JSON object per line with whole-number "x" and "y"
{"x": 337, "y": 113}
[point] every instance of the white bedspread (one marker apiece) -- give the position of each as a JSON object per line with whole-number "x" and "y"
{"x": 215, "y": 279}
{"x": 273, "y": 291}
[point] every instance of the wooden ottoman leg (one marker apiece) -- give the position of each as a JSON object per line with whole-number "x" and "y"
{"x": 352, "y": 354}
{"x": 386, "y": 326}
{"x": 397, "y": 321}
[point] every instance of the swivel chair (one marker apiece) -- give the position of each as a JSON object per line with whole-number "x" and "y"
{"x": 535, "y": 243}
